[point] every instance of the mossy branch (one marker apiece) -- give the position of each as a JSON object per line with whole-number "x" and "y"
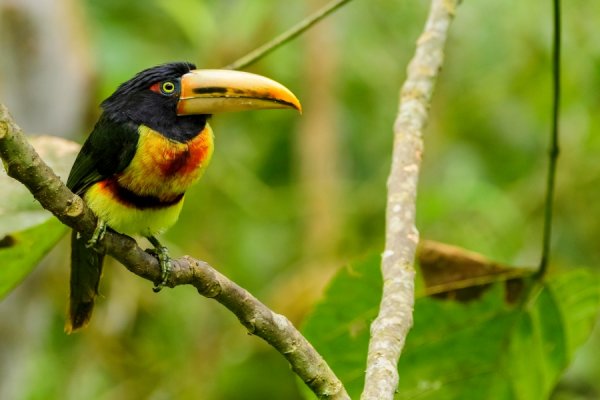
{"x": 24, "y": 164}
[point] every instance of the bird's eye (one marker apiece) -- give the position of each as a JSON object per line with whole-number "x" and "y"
{"x": 167, "y": 87}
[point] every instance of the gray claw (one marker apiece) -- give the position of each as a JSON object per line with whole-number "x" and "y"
{"x": 98, "y": 234}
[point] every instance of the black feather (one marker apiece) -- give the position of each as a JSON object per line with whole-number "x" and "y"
{"x": 112, "y": 144}
{"x": 133, "y": 101}
{"x": 109, "y": 150}
{"x": 86, "y": 270}
{"x": 143, "y": 80}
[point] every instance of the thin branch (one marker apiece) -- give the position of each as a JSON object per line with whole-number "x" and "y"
{"x": 286, "y": 36}
{"x": 389, "y": 330}
{"x": 554, "y": 148}
{"x": 24, "y": 164}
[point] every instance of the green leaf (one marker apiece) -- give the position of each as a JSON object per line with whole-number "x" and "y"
{"x": 339, "y": 325}
{"x": 481, "y": 349}
{"x": 27, "y": 231}
{"x": 21, "y": 251}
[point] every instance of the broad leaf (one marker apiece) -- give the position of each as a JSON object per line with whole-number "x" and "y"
{"x": 27, "y": 231}
{"x": 487, "y": 348}
{"x": 21, "y": 251}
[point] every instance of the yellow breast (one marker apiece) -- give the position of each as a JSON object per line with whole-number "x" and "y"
{"x": 147, "y": 196}
{"x": 165, "y": 168}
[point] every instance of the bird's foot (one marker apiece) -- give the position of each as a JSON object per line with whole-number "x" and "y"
{"x": 162, "y": 253}
{"x": 98, "y": 234}
{"x": 165, "y": 267}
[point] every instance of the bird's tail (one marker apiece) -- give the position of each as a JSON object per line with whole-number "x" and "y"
{"x": 86, "y": 269}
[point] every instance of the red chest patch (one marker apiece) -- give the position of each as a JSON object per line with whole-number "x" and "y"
{"x": 183, "y": 160}
{"x": 162, "y": 167}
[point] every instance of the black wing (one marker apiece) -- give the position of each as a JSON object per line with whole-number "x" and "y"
{"x": 107, "y": 151}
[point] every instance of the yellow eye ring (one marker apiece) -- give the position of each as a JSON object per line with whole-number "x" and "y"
{"x": 167, "y": 87}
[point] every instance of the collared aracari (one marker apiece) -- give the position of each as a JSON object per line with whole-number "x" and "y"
{"x": 151, "y": 143}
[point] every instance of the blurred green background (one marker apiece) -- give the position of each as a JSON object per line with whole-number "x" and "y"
{"x": 289, "y": 199}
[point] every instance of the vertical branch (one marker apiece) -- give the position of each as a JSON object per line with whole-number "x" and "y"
{"x": 317, "y": 144}
{"x": 554, "y": 149}
{"x": 389, "y": 330}
{"x": 317, "y": 152}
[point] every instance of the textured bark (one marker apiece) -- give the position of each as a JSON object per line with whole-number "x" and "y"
{"x": 23, "y": 164}
{"x": 390, "y": 328}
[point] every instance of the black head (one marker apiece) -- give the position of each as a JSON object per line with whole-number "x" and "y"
{"x": 150, "y": 98}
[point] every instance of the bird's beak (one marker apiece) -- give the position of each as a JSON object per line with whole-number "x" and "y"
{"x": 211, "y": 91}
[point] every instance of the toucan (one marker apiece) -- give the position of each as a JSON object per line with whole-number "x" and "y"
{"x": 151, "y": 142}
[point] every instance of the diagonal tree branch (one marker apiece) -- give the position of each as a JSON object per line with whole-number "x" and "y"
{"x": 389, "y": 329}
{"x": 24, "y": 164}
{"x": 286, "y": 36}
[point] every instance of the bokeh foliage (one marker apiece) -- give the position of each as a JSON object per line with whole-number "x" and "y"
{"x": 481, "y": 186}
